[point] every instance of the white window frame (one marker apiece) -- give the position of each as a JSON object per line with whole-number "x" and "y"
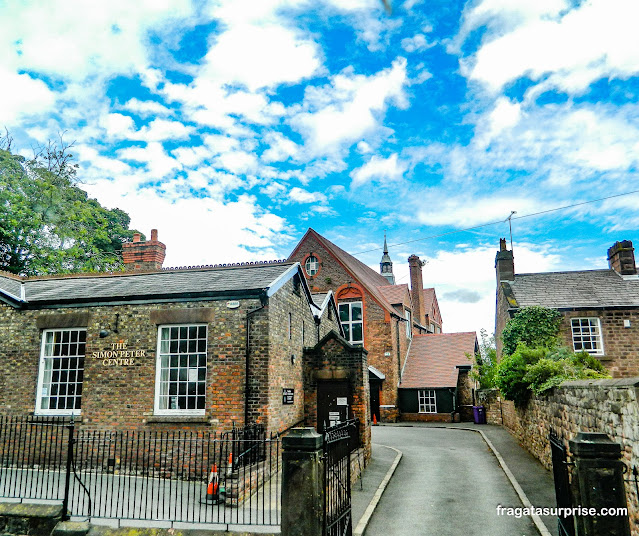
{"x": 350, "y": 322}
{"x": 311, "y": 265}
{"x": 427, "y": 400}
{"x": 158, "y": 410}
{"x": 409, "y": 324}
{"x": 45, "y": 381}
{"x": 588, "y": 330}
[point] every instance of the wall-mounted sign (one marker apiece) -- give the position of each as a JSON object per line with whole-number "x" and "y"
{"x": 342, "y": 401}
{"x": 288, "y": 396}
{"x": 233, "y": 304}
{"x": 119, "y": 354}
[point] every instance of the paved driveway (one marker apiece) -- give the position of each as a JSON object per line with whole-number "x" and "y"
{"x": 448, "y": 483}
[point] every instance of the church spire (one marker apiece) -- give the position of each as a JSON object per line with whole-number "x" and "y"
{"x": 386, "y": 265}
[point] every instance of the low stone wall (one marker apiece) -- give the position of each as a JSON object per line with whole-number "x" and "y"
{"x": 606, "y": 406}
{"x": 492, "y": 402}
{"x": 29, "y": 519}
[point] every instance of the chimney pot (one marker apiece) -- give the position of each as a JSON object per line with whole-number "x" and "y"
{"x": 504, "y": 263}
{"x": 143, "y": 256}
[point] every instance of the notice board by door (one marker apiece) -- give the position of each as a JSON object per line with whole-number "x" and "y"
{"x": 334, "y": 401}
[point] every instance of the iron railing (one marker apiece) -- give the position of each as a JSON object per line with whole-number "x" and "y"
{"x": 339, "y": 442}
{"x": 185, "y": 476}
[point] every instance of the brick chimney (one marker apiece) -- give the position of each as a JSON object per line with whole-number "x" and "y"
{"x": 143, "y": 256}
{"x": 417, "y": 289}
{"x": 504, "y": 263}
{"x": 621, "y": 258}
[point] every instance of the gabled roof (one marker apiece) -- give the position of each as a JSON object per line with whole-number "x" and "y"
{"x": 433, "y": 359}
{"x": 582, "y": 289}
{"x": 431, "y": 304}
{"x": 217, "y": 281}
{"x": 397, "y": 294}
{"x": 366, "y": 276}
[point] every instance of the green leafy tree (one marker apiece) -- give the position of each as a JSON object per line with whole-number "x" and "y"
{"x": 485, "y": 362}
{"x": 50, "y": 225}
{"x": 534, "y": 326}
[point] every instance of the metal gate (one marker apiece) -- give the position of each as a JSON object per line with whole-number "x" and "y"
{"x": 338, "y": 443}
{"x": 562, "y": 484}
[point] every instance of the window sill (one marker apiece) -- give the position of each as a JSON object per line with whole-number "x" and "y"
{"x": 47, "y": 418}
{"x": 159, "y": 419}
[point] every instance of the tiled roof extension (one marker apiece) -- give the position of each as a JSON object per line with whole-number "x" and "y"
{"x": 433, "y": 359}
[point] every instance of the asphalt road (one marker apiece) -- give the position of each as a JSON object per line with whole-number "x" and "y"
{"x": 448, "y": 483}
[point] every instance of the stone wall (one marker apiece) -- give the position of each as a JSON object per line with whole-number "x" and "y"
{"x": 606, "y": 406}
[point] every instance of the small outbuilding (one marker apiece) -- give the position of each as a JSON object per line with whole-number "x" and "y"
{"x": 435, "y": 381}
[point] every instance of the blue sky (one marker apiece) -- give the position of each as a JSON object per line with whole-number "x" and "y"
{"x": 233, "y": 126}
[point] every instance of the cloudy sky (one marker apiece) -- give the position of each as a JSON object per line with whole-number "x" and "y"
{"x": 234, "y": 125}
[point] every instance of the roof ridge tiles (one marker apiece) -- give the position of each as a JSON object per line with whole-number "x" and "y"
{"x": 227, "y": 265}
{"x": 567, "y": 272}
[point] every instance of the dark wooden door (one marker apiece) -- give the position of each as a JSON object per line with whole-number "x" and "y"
{"x": 333, "y": 404}
{"x": 375, "y": 387}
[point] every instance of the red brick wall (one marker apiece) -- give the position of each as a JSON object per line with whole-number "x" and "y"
{"x": 380, "y": 336}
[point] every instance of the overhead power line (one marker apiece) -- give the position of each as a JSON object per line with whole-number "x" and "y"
{"x": 501, "y": 221}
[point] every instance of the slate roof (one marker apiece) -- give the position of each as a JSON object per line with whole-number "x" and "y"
{"x": 588, "y": 288}
{"x": 180, "y": 282}
{"x": 433, "y": 359}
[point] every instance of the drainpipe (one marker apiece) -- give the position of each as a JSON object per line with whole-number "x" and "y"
{"x": 247, "y": 353}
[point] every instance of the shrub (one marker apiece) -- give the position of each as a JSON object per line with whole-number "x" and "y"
{"x": 534, "y": 326}
{"x": 511, "y": 372}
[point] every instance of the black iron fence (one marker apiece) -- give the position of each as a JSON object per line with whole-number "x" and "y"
{"x": 339, "y": 442}
{"x": 186, "y": 476}
{"x": 565, "y": 524}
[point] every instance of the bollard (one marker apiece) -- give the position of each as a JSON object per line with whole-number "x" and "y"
{"x": 598, "y": 483}
{"x": 302, "y": 483}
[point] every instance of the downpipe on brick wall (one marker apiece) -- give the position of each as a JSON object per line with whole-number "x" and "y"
{"x": 247, "y": 353}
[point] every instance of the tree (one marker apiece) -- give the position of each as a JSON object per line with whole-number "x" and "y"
{"x": 50, "y": 225}
{"x": 485, "y": 362}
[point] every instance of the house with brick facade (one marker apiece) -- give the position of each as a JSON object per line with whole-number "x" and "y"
{"x": 600, "y": 308}
{"x": 435, "y": 381}
{"x": 376, "y": 313}
{"x": 157, "y": 348}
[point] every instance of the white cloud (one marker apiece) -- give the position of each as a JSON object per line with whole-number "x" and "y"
{"x": 22, "y": 97}
{"x": 299, "y": 195}
{"x": 417, "y": 43}
{"x": 146, "y": 108}
{"x": 118, "y": 125}
{"x": 354, "y": 102}
{"x": 378, "y": 168}
{"x": 153, "y": 155}
{"x": 162, "y": 129}
{"x": 561, "y": 50}
{"x": 506, "y": 114}
{"x": 280, "y": 148}
{"x": 97, "y": 37}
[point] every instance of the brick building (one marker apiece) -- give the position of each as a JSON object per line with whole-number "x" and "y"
{"x": 435, "y": 381}
{"x": 375, "y": 312}
{"x": 211, "y": 346}
{"x": 600, "y": 308}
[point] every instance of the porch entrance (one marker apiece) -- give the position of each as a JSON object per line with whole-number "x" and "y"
{"x": 334, "y": 401}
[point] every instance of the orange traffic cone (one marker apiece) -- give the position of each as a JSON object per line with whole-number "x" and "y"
{"x": 374, "y": 419}
{"x": 213, "y": 487}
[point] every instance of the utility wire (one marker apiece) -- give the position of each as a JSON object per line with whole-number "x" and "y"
{"x": 500, "y": 221}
